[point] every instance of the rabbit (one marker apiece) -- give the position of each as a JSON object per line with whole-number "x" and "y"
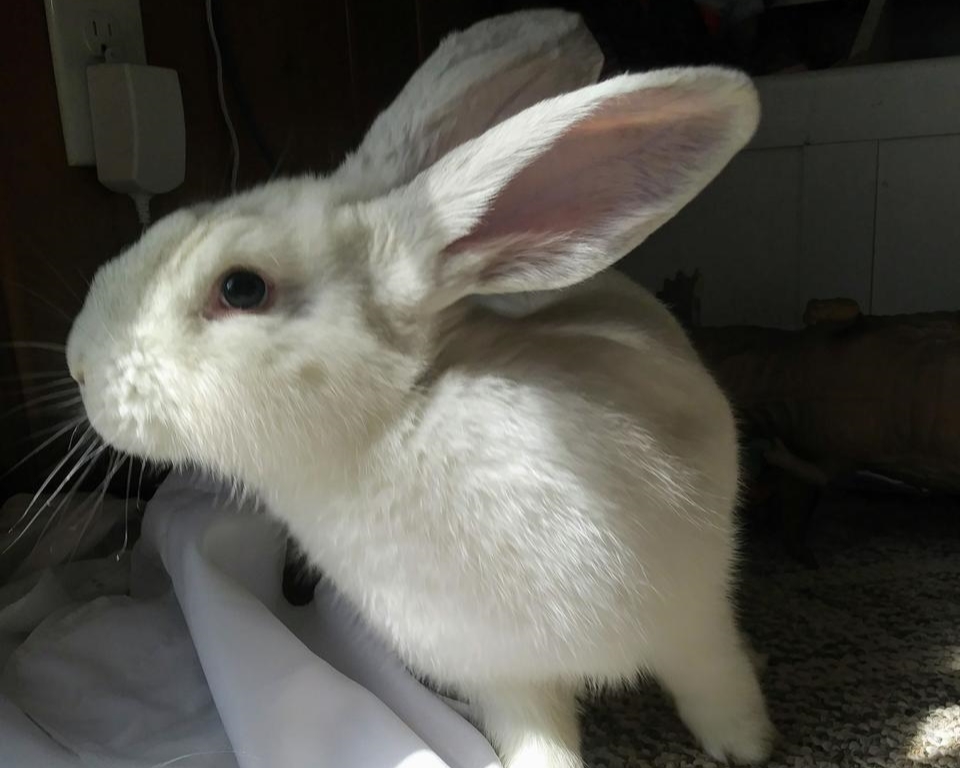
{"x": 524, "y": 504}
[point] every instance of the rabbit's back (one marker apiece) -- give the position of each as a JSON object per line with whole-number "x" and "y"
{"x": 602, "y": 371}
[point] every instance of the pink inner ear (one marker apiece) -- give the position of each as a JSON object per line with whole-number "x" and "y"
{"x": 611, "y": 172}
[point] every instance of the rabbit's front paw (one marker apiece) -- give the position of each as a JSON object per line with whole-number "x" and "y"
{"x": 743, "y": 736}
{"x": 533, "y": 726}
{"x": 712, "y": 676}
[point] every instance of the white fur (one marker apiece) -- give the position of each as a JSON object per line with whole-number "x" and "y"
{"x": 524, "y": 505}
{"x": 472, "y": 81}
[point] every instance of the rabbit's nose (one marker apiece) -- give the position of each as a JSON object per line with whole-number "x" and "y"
{"x": 74, "y": 360}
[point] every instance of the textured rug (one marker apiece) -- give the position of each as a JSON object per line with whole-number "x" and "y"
{"x": 864, "y": 650}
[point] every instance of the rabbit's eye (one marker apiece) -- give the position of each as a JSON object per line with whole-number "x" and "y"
{"x": 243, "y": 290}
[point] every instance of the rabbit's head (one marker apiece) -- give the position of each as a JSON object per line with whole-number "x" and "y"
{"x": 280, "y": 331}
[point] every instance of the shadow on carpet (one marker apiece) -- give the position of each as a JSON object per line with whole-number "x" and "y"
{"x": 864, "y": 651}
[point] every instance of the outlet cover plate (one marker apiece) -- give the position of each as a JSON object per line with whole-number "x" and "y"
{"x": 81, "y": 31}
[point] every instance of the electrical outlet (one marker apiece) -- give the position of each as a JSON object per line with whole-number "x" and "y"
{"x": 85, "y": 32}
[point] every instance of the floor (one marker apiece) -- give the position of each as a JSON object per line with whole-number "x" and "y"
{"x": 864, "y": 650}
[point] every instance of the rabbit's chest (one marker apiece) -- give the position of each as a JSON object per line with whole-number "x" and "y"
{"x": 466, "y": 570}
{"x": 441, "y": 606}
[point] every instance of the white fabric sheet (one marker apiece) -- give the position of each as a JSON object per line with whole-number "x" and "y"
{"x": 204, "y": 663}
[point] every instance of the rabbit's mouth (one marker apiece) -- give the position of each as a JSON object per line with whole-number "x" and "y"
{"x": 127, "y": 403}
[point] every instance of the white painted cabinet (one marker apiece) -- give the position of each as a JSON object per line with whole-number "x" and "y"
{"x": 917, "y": 263}
{"x": 748, "y": 269}
{"x": 851, "y": 188}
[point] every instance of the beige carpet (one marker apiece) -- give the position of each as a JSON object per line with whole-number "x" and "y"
{"x": 864, "y": 666}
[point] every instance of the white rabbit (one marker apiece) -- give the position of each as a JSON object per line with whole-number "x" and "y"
{"x": 522, "y": 506}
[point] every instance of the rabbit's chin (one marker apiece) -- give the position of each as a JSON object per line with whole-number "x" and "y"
{"x": 140, "y": 441}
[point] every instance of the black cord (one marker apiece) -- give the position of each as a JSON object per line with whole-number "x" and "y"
{"x": 231, "y": 72}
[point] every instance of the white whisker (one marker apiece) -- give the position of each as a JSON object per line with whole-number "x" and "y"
{"x": 126, "y": 508}
{"x": 115, "y": 465}
{"x": 143, "y": 466}
{"x": 56, "y": 272}
{"x": 175, "y": 760}
{"x": 50, "y": 477}
{"x": 48, "y": 430}
{"x": 73, "y": 435}
{"x": 74, "y": 425}
{"x": 39, "y": 297}
{"x": 46, "y": 346}
{"x": 55, "y": 398}
{"x": 64, "y": 383}
{"x": 33, "y": 376}
{"x": 90, "y": 465}
{"x": 87, "y": 458}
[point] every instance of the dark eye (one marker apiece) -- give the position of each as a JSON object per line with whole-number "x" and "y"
{"x": 243, "y": 290}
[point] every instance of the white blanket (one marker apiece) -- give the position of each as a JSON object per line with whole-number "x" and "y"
{"x": 204, "y": 663}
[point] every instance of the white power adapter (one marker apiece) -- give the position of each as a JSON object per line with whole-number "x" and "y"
{"x": 139, "y": 135}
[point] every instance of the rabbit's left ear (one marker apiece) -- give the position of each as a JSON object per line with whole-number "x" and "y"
{"x": 567, "y": 187}
{"x": 473, "y": 80}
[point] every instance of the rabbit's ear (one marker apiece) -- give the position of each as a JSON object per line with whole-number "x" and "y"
{"x": 473, "y": 80}
{"x": 567, "y": 187}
